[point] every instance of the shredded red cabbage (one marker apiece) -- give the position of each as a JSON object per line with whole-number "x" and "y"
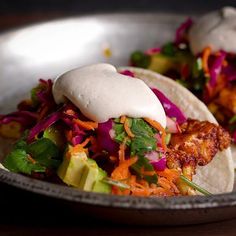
{"x": 42, "y": 125}
{"x": 45, "y": 94}
{"x": 127, "y": 72}
{"x": 216, "y": 67}
{"x": 152, "y": 51}
{"x": 179, "y": 35}
{"x": 104, "y": 139}
{"x": 159, "y": 165}
{"x": 25, "y": 118}
{"x": 77, "y": 139}
{"x": 234, "y": 136}
{"x": 170, "y": 108}
{"x": 230, "y": 72}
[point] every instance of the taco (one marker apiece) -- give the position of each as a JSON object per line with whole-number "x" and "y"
{"x": 99, "y": 130}
{"x": 202, "y": 58}
{"x": 195, "y": 109}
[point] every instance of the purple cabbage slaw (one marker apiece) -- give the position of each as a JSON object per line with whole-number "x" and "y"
{"x": 180, "y": 32}
{"x": 104, "y": 139}
{"x": 170, "y": 108}
{"x": 216, "y": 68}
{"x": 25, "y": 118}
{"x": 159, "y": 163}
{"x": 43, "y": 125}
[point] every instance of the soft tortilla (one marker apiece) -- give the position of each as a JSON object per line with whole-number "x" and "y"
{"x": 233, "y": 150}
{"x": 218, "y": 175}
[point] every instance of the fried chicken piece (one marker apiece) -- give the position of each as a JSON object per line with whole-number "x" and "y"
{"x": 227, "y": 99}
{"x": 199, "y": 141}
{"x": 197, "y": 144}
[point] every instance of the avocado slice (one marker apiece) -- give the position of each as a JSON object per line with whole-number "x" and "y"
{"x": 54, "y": 134}
{"x": 99, "y": 186}
{"x": 72, "y": 168}
{"x": 161, "y": 63}
{"x": 79, "y": 171}
{"x": 89, "y": 176}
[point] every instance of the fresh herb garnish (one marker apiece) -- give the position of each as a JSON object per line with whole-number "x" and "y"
{"x": 140, "y": 59}
{"x": 34, "y": 157}
{"x": 115, "y": 183}
{"x": 168, "y": 49}
{"x": 45, "y": 152}
{"x": 142, "y": 142}
{"x": 143, "y": 164}
{"x": 19, "y": 161}
{"x": 195, "y": 186}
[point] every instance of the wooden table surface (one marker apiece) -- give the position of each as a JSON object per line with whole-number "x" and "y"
{"x": 21, "y": 212}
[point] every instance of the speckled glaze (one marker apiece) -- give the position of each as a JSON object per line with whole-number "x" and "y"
{"x": 31, "y": 64}
{"x": 133, "y": 210}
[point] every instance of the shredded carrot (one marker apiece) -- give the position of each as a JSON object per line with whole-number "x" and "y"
{"x": 88, "y": 125}
{"x": 85, "y": 142}
{"x": 142, "y": 192}
{"x": 122, "y": 170}
{"x": 170, "y": 174}
{"x": 69, "y": 135}
{"x": 70, "y": 112}
{"x": 94, "y": 144}
{"x": 122, "y": 152}
{"x": 205, "y": 58}
{"x": 167, "y": 185}
{"x": 158, "y": 127}
{"x": 147, "y": 173}
{"x": 113, "y": 158}
{"x": 225, "y": 63}
{"x": 76, "y": 149}
{"x": 31, "y": 159}
{"x": 127, "y": 128}
{"x": 122, "y": 119}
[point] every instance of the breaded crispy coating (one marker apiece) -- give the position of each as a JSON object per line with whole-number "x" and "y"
{"x": 199, "y": 141}
{"x": 227, "y": 99}
{"x": 197, "y": 144}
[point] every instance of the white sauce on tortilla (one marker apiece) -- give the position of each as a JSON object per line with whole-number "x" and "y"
{"x": 216, "y": 29}
{"x": 101, "y": 93}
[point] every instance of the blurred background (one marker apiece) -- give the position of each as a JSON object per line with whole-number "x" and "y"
{"x": 15, "y": 13}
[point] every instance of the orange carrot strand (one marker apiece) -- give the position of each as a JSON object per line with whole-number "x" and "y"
{"x": 88, "y": 125}
{"x": 127, "y": 128}
{"x": 205, "y": 58}
{"x": 158, "y": 127}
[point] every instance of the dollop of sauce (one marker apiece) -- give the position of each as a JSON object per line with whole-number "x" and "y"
{"x": 101, "y": 93}
{"x": 216, "y": 29}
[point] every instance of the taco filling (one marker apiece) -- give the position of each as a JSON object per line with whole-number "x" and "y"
{"x": 203, "y": 59}
{"x": 117, "y": 136}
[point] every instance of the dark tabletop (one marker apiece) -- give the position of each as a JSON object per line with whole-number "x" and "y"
{"x": 24, "y": 213}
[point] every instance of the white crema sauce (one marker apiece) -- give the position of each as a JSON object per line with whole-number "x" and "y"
{"x": 216, "y": 29}
{"x": 101, "y": 93}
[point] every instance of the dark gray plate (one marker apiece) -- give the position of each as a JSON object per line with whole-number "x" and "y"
{"x": 46, "y": 50}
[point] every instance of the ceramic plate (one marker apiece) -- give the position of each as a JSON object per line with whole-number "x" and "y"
{"x": 46, "y": 50}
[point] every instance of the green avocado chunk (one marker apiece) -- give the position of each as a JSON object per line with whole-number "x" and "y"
{"x": 99, "y": 186}
{"x": 79, "y": 171}
{"x": 161, "y": 63}
{"x": 72, "y": 168}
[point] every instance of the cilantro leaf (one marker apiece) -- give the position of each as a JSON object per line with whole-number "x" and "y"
{"x": 141, "y": 144}
{"x": 144, "y": 163}
{"x": 144, "y": 140}
{"x": 18, "y": 161}
{"x": 45, "y": 152}
{"x": 141, "y": 128}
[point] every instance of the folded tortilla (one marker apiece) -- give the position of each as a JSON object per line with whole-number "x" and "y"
{"x": 217, "y": 176}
